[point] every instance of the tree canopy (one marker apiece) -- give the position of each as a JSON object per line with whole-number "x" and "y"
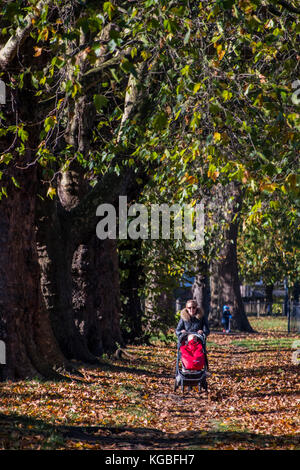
{"x": 163, "y": 101}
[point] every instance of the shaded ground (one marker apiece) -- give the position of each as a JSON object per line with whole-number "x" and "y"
{"x": 252, "y": 402}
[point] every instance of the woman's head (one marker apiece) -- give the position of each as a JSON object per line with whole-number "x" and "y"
{"x": 191, "y": 306}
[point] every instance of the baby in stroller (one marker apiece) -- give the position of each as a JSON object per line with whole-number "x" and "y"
{"x": 192, "y": 364}
{"x": 192, "y": 354}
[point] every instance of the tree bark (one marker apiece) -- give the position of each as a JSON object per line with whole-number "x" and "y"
{"x": 225, "y": 283}
{"x": 56, "y": 249}
{"x": 132, "y": 282}
{"x": 159, "y": 302}
{"x": 200, "y": 288}
{"x": 96, "y": 295}
{"x": 31, "y": 347}
{"x": 10, "y": 49}
{"x": 269, "y": 298}
{"x": 230, "y": 292}
{"x": 215, "y": 301}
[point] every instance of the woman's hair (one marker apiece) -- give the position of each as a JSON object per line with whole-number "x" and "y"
{"x": 200, "y": 311}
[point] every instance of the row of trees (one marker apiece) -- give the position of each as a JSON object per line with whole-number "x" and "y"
{"x": 162, "y": 102}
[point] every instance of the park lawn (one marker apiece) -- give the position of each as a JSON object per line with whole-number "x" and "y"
{"x": 130, "y": 403}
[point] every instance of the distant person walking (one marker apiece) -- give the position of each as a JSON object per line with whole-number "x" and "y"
{"x": 226, "y": 317}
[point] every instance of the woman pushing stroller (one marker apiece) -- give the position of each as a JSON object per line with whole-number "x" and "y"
{"x": 192, "y": 320}
{"x": 192, "y": 330}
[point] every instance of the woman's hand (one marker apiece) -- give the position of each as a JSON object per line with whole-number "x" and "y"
{"x": 200, "y": 332}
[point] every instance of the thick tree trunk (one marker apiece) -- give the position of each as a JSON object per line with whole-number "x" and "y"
{"x": 159, "y": 302}
{"x": 215, "y": 301}
{"x": 109, "y": 294}
{"x": 31, "y": 347}
{"x": 224, "y": 278}
{"x": 131, "y": 306}
{"x": 201, "y": 288}
{"x": 55, "y": 249}
{"x": 96, "y": 296}
{"x": 228, "y": 265}
{"x": 269, "y": 298}
{"x": 85, "y": 296}
{"x": 296, "y": 292}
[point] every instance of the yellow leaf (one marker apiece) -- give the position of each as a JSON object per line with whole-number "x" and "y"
{"x": 192, "y": 179}
{"x": 51, "y": 192}
{"x": 217, "y": 136}
{"x": 45, "y": 33}
{"x": 197, "y": 86}
{"x": 220, "y": 51}
{"x": 38, "y": 51}
{"x": 213, "y": 174}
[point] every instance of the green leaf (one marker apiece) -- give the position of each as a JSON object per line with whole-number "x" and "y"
{"x": 49, "y": 123}
{"x": 15, "y": 182}
{"x": 108, "y": 8}
{"x": 160, "y": 121}
{"x": 6, "y": 158}
{"x": 100, "y": 101}
{"x": 22, "y": 134}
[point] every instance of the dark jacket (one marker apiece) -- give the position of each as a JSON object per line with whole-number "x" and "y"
{"x": 191, "y": 323}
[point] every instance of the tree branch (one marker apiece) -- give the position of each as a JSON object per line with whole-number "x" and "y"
{"x": 9, "y": 51}
{"x": 110, "y": 186}
{"x": 285, "y": 5}
{"x": 288, "y": 6}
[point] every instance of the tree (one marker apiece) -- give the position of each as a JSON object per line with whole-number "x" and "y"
{"x": 224, "y": 108}
{"x": 60, "y": 106}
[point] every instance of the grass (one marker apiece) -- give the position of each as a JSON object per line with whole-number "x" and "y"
{"x": 269, "y": 323}
{"x": 272, "y": 343}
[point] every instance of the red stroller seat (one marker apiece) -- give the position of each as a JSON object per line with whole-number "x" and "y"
{"x": 192, "y": 355}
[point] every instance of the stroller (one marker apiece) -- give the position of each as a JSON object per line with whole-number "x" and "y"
{"x": 192, "y": 363}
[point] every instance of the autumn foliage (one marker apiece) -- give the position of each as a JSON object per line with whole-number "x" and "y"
{"x": 130, "y": 403}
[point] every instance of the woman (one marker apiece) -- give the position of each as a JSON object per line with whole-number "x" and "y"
{"x": 192, "y": 320}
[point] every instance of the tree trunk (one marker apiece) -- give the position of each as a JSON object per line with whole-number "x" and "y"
{"x": 229, "y": 283}
{"x": 200, "y": 288}
{"x": 31, "y": 347}
{"x": 215, "y": 301}
{"x": 296, "y": 292}
{"x": 55, "y": 249}
{"x": 109, "y": 294}
{"x": 96, "y": 296}
{"x": 159, "y": 302}
{"x": 132, "y": 281}
{"x": 269, "y": 298}
{"x": 85, "y": 293}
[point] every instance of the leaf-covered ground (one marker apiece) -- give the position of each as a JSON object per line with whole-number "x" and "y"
{"x": 252, "y": 400}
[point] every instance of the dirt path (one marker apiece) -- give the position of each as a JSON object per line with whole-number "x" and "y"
{"x": 131, "y": 404}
